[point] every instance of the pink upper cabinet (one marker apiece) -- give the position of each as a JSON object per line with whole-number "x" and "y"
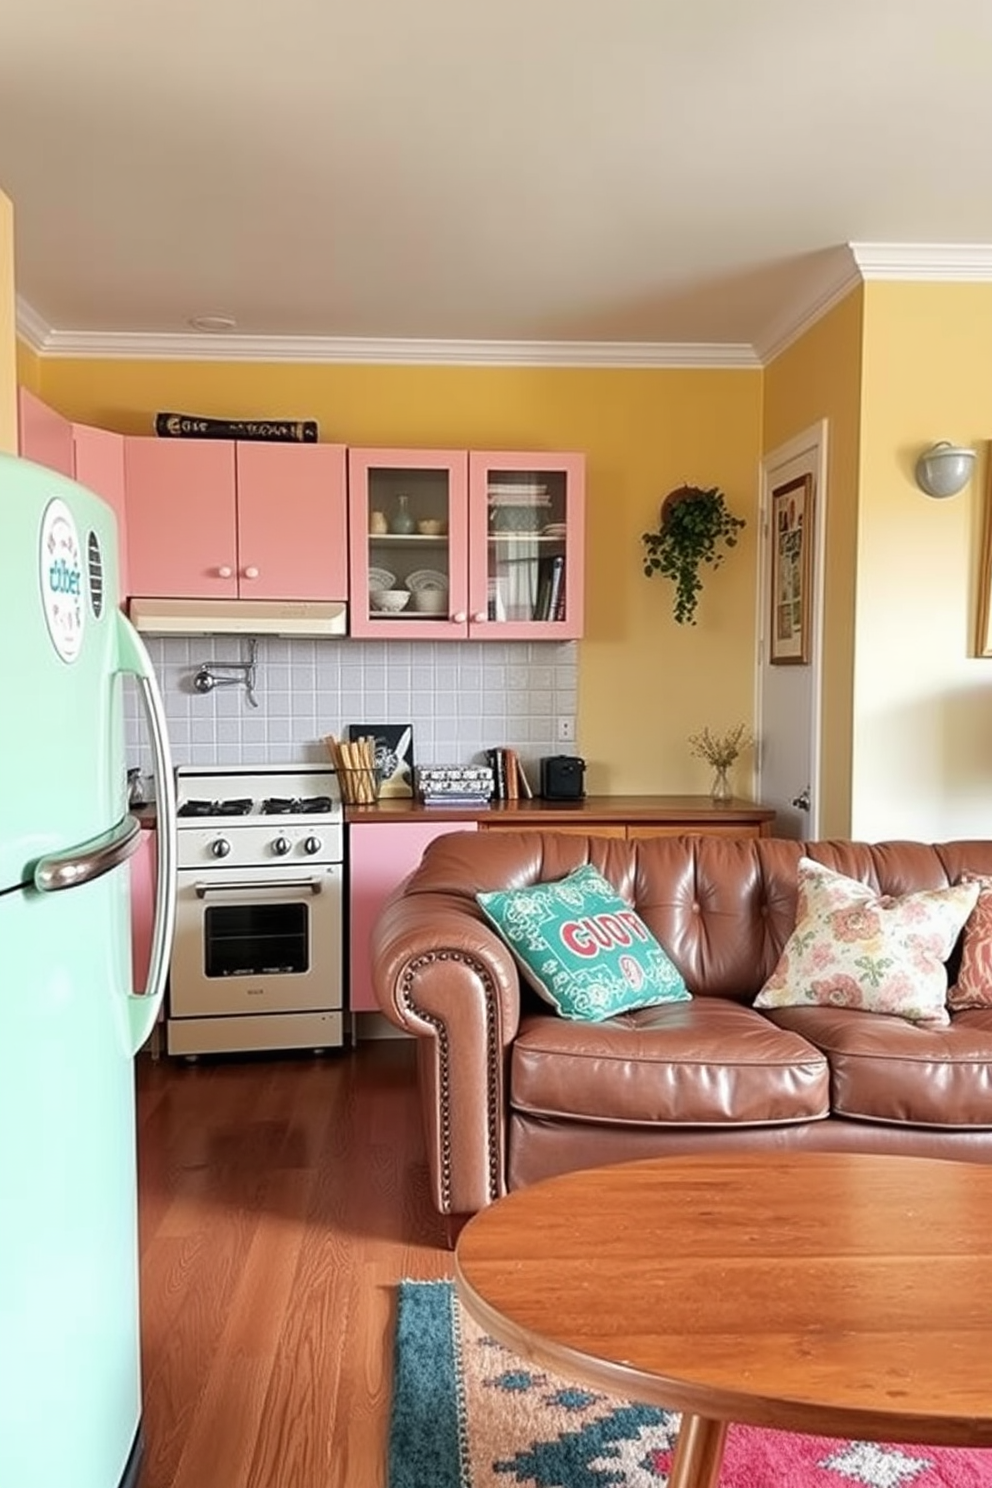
{"x": 181, "y": 518}
{"x": 98, "y": 458}
{"x": 408, "y": 516}
{"x": 446, "y": 544}
{"x": 292, "y": 521}
{"x": 224, "y": 520}
{"x": 526, "y": 544}
{"x": 43, "y": 435}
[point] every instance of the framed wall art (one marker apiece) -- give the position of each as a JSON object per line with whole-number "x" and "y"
{"x": 393, "y": 754}
{"x": 983, "y": 645}
{"x": 791, "y": 527}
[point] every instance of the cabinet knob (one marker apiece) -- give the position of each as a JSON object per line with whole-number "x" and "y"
{"x": 225, "y": 572}
{"x": 251, "y": 572}
{"x": 478, "y": 618}
{"x": 459, "y": 617}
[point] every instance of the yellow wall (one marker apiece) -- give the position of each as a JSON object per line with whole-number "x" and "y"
{"x": 644, "y": 682}
{"x": 819, "y": 376}
{"x": 922, "y": 756}
{"x": 8, "y": 359}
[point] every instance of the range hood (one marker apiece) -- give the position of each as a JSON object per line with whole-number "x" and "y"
{"x": 275, "y": 617}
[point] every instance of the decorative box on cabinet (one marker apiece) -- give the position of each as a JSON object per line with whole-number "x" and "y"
{"x": 220, "y": 519}
{"x": 380, "y": 855}
{"x": 498, "y": 536}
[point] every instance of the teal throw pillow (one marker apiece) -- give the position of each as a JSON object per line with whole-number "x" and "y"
{"x": 583, "y": 947}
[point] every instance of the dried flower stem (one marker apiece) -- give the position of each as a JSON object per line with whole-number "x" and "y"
{"x": 720, "y": 750}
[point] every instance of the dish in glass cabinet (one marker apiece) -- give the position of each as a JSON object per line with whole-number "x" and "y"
{"x": 426, "y": 578}
{"x": 381, "y": 578}
{"x": 524, "y": 489}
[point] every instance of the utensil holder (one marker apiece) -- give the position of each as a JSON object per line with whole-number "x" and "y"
{"x": 359, "y": 787}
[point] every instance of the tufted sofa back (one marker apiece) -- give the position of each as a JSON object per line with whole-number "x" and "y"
{"x": 722, "y": 907}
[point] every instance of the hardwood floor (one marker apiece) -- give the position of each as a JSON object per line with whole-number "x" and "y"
{"x": 280, "y": 1200}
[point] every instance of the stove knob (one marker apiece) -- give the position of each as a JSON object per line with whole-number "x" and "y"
{"x": 312, "y": 845}
{"x": 220, "y": 847}
{"x": 281, "y": 846}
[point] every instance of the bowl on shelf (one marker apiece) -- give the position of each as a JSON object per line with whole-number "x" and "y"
{"x": 432, "y": 527}
{"x": 381, "y": 578}
{"x": 504, "y": 516}
{"x": 427, "y": 578}
{"x": 389, "y": 601}
{"x": 430, "y": 601}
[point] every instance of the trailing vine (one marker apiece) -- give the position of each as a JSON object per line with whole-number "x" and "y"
{"x": 695, "y": 527}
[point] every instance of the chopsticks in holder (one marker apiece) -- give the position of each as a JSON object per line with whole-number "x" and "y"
{"x": 355, "y": 766}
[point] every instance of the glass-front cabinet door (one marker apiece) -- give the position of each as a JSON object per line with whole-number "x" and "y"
{"x": 408, "y": 543}
{"x": 526, "y": 545}
{"x": 447, "y": 544}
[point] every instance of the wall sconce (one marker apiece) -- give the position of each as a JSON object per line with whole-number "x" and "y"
{"x": 944, "y": 469}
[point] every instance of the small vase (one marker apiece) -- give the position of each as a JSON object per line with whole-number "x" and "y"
{"x": 402, "y": 521}
{"x": 721, "y": 791}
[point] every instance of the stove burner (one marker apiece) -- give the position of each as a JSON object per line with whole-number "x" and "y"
{"x": 239, "y": 807}
{"x": 295, "y": 805}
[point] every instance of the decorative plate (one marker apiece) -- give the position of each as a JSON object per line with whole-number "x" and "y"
{"x": 381, "y": 578}
{"x": 426, "y": 578}
{"x": 525, "y": 489}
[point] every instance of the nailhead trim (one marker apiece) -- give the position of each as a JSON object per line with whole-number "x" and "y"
{"x": 493, "y": 1066}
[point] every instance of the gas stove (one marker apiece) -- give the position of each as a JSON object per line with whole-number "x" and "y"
{"x": 257, "y": 814}
{"x": 257, "y": 957}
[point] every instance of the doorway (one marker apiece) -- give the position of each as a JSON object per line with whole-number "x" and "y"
{"x": 788, "y": 702}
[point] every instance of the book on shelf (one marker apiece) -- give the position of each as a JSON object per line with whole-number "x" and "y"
{"x": 510, "y": 781}
{"x": 550, "y": 588}
{"x": 473, "y": 799}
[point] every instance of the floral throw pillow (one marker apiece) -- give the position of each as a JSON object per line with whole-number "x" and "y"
{"x": 583, "y": 948}
{"x": 853, "y": 947}
{"x": 973, "y": 988}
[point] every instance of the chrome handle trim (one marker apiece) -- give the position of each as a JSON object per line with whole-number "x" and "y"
{"x": 247, "y": 886}
{"x": 166, "y": 847}
{"x": 92, "y": 859}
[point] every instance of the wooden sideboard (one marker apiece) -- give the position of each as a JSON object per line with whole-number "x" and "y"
{"x": 609, "y": 816}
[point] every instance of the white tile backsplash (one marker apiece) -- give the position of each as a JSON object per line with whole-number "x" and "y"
{"x": 461, "y": 697}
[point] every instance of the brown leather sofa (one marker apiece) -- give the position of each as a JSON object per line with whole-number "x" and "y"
{"x": 511, "y": 1092}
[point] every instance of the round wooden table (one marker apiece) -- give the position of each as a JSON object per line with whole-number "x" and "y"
{"x": 841, "y": 1295}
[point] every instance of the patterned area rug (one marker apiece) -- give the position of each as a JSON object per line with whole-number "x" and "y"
{"x": 466, "y": 1413}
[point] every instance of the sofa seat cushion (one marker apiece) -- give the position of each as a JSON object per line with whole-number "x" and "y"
{"x": 889, "y": 1069}
{"x": 709, "y": 1062}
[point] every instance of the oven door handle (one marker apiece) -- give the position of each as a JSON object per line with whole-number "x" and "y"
{"x": 315, "y": 885}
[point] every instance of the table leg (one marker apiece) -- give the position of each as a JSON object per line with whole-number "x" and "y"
{"x": 698, "y": 1453}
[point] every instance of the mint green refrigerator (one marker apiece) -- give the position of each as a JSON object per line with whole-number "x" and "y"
{"x": 70, "y": 1020}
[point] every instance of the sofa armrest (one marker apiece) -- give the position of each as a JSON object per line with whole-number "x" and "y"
{"x": 443, "y": 975}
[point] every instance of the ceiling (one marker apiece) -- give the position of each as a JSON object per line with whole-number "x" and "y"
{"x": 622, "y": 180}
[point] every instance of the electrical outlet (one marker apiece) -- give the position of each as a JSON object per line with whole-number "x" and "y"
{"x": 566, "y": 731}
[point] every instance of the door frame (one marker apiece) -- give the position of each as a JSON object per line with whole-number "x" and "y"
{"x": 811, "y": 442}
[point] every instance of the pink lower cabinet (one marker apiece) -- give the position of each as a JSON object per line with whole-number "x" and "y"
{"x": 380, "y": 855}
{"x": 142, "y": 865}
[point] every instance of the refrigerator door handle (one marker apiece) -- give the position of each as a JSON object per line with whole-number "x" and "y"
{"x": 143, "y": 1008}
{"x": 89, "y": 860}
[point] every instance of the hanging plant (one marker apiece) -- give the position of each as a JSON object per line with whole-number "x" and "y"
{"x": 694, "y": 527}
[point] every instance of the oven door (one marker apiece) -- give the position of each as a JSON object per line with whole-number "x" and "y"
{"x": 257, "y": 940}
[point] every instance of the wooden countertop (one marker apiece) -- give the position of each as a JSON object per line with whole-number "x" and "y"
{"x": 687, "y": 810}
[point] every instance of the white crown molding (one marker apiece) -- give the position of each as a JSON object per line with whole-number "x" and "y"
{"x": 834, "y": 284}
{"x": 30, "y": 326}
{"x": 138, "y": 346}
{"x": 945, "y": 263}
{"x": 858, "y": 262}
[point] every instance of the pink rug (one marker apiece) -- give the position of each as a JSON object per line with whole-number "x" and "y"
{"x": 466, "y": 1413}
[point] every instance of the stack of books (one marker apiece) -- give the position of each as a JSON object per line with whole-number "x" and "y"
{"x": 510, "y": 780}
{"x": 454, "y": 785}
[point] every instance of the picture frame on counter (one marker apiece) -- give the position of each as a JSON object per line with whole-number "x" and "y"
{"x": 393, "y": 755}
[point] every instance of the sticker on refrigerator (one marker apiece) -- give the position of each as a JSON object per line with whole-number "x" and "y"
{"x": 61, "y": 574}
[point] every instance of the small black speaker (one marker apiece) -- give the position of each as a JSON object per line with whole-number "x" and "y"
{"x": 562, "y": 777}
